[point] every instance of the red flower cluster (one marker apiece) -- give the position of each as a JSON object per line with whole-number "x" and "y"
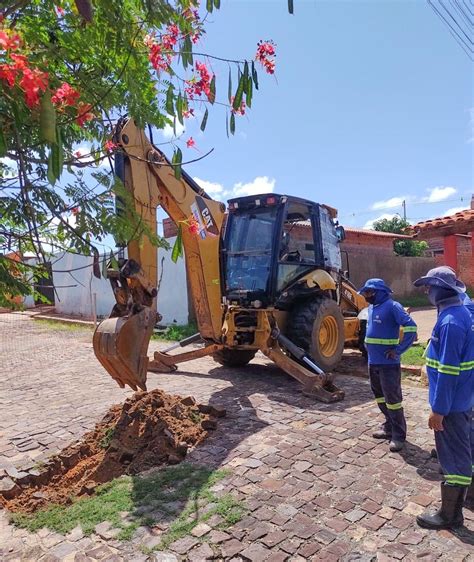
{"x": 160, "y": 54}
{"x": 266, "y": 55}
{"x": 187, "y": 113}
{"x": 31, "y": 80}
{"x": 65, "y": 95}
{"x": 84, "y": 114}
{"x": 190, "y": 142}
{"x": 170, "y": 39}
{"x": 110, "y": 146}
{"x": 193, "y": 226}
{"x": 197, "y": 87}
{"x": 32, "y": 83}
{"x": 9, "y": 42}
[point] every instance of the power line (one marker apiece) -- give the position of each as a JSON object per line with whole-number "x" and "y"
{"x": 392, "y": 207}
{"x": 458, "y": 38}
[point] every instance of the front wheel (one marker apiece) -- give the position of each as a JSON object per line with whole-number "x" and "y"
{"x": 317, "y": 326}
{"x": 233, "y": 357}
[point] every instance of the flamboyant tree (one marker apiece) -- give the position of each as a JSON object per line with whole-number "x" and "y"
{"x": 68, "y": 70}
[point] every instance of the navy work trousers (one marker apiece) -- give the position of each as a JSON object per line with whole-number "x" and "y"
{"x": 386, "y": 384}
{"x": 455, "y": 447}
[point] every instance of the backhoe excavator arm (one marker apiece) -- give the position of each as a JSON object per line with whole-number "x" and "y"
{"x": 121, "y": 342}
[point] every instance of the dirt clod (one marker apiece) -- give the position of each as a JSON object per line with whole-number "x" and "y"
{"x": 149, "y": 429}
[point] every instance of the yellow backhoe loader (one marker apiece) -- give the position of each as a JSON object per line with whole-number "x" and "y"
{"x": 265, "y": 275}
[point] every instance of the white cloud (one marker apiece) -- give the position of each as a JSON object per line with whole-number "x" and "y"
{"x": 261, "y": 184}
{"x": 168, "y": 131}
{"x": 12, "y": 171}
{"x": 85, "y": 156}
{"x": 210, "y": 187}
{"x": 453, "y": 211}
{"x": 389, "y": 203}
{"x": 370, "y": 224}
{"x": 438, "y": 194}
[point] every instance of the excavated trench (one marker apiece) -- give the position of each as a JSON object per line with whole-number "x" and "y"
{"x": 150, "y": 429}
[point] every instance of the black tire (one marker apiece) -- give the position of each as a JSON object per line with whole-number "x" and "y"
{"x": 304, "y": 329}
{"x": 233, "y": 357}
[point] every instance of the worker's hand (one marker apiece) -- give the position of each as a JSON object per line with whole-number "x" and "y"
{"x": 435, "y": 422}
{"x": 391, "y": 354}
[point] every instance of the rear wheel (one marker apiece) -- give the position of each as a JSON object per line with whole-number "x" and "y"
{"x": 318, "y": 327}
{"x": 234, "y": 357}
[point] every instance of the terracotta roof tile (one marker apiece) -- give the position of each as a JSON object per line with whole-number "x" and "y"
{"x": 458, "y": 219}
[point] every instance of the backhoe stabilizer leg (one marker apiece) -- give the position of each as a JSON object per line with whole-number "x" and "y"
{"x": 164, "y": 363}
{"x": 318, "y": 386}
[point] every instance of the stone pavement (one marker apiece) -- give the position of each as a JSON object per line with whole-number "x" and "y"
{"x": 315, "y": 484}
{"x": 425, "y": 319}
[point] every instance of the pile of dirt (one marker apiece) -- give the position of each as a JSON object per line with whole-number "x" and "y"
{"x": 148, "y": 430}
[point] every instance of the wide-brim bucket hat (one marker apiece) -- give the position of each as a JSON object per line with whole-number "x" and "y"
{"x": 442, "y": 276}
{"x": 375, "y": 284}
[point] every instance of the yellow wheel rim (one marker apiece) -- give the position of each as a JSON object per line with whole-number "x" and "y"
{"x": 328, "y": 336}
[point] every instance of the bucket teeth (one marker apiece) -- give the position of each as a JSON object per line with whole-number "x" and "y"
{"x": 121, "y": 346}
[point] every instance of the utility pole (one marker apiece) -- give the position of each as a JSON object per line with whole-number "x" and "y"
{"x": 404, "y": 205}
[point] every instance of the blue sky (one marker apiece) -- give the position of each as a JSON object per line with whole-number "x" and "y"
{"x": 372, "y": 103}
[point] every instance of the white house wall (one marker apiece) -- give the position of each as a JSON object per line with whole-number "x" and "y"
{"x": 78, "y": 291}
{"x": 173, "y": 292}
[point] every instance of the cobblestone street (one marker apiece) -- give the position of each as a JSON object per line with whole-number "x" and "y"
{"x": 315, "y": 484}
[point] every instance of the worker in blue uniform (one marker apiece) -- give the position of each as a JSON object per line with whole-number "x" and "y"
{"x": 450, "y": 368}
{"x": 384, "y": 350}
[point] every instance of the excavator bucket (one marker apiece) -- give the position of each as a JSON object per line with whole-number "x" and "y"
{"x": 121, "y": 345}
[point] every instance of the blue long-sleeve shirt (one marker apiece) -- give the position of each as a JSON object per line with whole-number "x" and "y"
{"x": 386, "y": 317}
{"x": 450, "y": 361}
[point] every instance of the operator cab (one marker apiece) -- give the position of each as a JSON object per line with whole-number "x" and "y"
{"x": 271, "y": 241}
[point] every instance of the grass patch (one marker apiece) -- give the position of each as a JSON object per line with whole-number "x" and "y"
{"x": 64, "y": 326}
{"x": 415, "y": 301}
{"x": 107, "y": 438}
{"x": 176, "y": 332}
{"x": 179, "y": 495}
{"x": 414, "y": 355}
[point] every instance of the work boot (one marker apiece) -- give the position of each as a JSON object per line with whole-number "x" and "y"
{"x": 469, "y": 501}
{"x": 449, "y": 515}
{"x": 395, "y": 445}
{"x": 383, "y": 433}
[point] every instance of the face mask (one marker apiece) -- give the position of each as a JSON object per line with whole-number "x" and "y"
{"x": 439, "y": 294}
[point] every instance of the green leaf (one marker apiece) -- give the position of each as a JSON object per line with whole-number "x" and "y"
{"x": 55, "y": 160}
{"x": 187, "y": 53}
{"x": 212, "y": 94}
{"x": 229, "y": 92}
{"x": 217, "y": 3}
{"x": 249, "y": 93}
{"x": 246, "y": 75}
{"x": 177, "y": 250}
{"x": 179, "y": 108}
{"x": 177, "y": 159}
{"x": 104, "y": 267}
{"x": 239, "y": 93}
{"x": 290, "y": 6}
{"x": 204, "y": 120}
{"x": 169, "y": 100}
{"x": 227, "y": 126}
{"x": 47, "y": 119}
{"x": 3, "y": 142}
{"x": 232, "y": 123}
{"x": 113, "y": 261}
{"x": 254, "y": 76}
{"x": 209, "y": 5}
